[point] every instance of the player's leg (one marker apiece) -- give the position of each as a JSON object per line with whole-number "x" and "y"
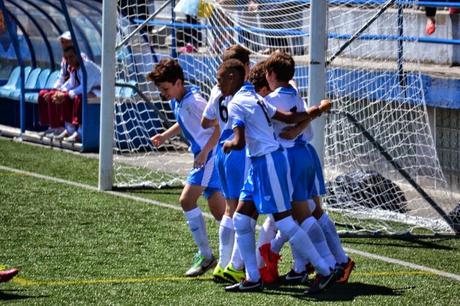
{"x": 244, "y": 223}
{"x": 345, "y": 264}
{"x": 204, "y": 259}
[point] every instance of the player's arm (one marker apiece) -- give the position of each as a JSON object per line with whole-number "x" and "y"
{"x": 200, "y": 159}
{"x": 238, "y": 142}
{"x": 310, "y": 114}
{"x": 291, "y": 132}
{"x": 207, "y": 123}
{"x": 159, "y": 139}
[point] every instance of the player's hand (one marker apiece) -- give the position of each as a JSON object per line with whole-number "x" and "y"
{"x": 227, "y": 147}
{"x": 200, "y": 160}
{"x": 325, "y": 105}
{"x": 289, "y": 132}
{"x": 158, "y": 140}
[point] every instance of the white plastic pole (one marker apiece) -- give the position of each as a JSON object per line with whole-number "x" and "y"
{"x": 109, "y": 32}
{"x": 317, "y": 69}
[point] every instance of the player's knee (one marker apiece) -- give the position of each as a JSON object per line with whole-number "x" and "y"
{"x": 242, "y": 223}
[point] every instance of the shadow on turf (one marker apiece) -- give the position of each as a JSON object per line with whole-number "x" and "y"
{"x": 12, "y": 295}
{"x": 347, "y": 292}
{"x": 409, "y": 243}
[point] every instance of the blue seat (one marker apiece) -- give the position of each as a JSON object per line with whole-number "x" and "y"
{"x": 31, "y": 82}
{"x": 41, "y": 83}
{"x": 13, "y": 81}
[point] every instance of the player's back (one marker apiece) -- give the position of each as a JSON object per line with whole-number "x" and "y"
{"x": 217, "y": 108}
{"x": 286, "y": 99}
{"x": 248, "y": 109}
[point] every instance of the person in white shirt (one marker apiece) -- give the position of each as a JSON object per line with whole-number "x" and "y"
{"x": 266, "y": 190}
{"x": 70, "y": 93}
{"x": 48, "y": 112}
{"x": 188, "y": 105}
{"x": 232, "y": 170}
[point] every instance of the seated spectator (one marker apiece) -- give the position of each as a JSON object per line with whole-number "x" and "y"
{"x": 46, "y": 109}
{"x": 69, "y": 98}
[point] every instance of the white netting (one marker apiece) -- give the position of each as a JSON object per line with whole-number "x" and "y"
{"x": 374, "y": 80}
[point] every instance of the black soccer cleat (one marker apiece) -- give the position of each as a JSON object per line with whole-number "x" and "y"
{"x": 246, "y": 286}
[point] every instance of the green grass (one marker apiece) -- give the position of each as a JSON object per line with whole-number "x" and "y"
{"x": 76, "y": 246}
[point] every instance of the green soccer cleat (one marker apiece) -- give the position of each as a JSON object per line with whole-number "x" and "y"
{"x": 218, "y": 275}
{"x": 200, "y": 265}
{"x": 233, "y": 275}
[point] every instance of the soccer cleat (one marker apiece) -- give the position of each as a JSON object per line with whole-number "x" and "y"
{"x": 321, "y": 283}
{"x": 218, "y": 275}
{"x": 233, "y": 275}
{"x": 200, "y": 265}
{"x": 344, "y": 271}
{"x": 295, "y": 278}
{"x": 7, "y": 275}
{"x": 246, "y": 286}
{"x": 271, "y": 261}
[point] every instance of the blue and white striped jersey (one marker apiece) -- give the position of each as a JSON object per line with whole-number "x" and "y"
{"x": 217, "y": 108}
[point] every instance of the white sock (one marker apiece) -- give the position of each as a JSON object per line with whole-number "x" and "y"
{"x": 278, "y": 242}
{"x": 332, "y": 238}
{"x": 195, "y": 222}
{"x": 301, "y": 244}
{"x": 236, "y": 261}
{"x": 314, "y": 231}
{"x": 226, "y": 240}
{"x": 247, "y": 243}
{"x": 266, "y": 234}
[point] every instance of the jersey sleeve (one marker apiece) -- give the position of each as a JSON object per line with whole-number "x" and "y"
{"x": 237, "y": 115}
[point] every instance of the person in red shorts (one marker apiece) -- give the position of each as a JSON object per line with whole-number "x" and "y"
{"x": 46, "y": 109}
{"x": 68, "y": 100}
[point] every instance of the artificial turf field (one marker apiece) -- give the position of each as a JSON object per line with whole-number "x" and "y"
{"x": 75, "y": 245}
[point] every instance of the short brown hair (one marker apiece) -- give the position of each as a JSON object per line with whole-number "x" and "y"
{"x": 167, "y": 70}
{"x": 257, "y": 76}
{"x": 233, "y": 65}
{"x": 237, "y": 52}
{"x": 282, "y": 64}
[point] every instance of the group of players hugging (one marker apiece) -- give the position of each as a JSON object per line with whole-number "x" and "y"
{"x": 252, "y": 156}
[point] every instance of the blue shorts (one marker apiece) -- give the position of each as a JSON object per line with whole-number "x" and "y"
{"x": 233, "y": 170}
{"x": 319, "y": 188}
{"x": 302, "y": 170}
{"x": 267, "y": 183}
{"x": 206, "y": 176}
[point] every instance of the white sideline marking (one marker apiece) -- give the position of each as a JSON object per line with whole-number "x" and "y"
{"x": 160, "y": 204}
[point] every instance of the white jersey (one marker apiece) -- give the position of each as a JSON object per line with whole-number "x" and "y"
{"x": 308, "y": 133}
{"x": 286, "y": 99}
{"x": 247, "y": 109}
{"x": 188, "y": 113}
{"x": 217, "y": 108}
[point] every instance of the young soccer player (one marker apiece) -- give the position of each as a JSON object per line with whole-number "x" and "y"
{"x": 232, "y": 169}
{"x": 266, "y": 189}
{"x": 188, "y": 106}
{"x": 279, "y": 70}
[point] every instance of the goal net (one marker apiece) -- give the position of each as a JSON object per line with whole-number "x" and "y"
{"x": 380, "y": 161}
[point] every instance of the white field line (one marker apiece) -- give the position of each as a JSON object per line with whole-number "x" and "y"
{"x": 160, "y": 204}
